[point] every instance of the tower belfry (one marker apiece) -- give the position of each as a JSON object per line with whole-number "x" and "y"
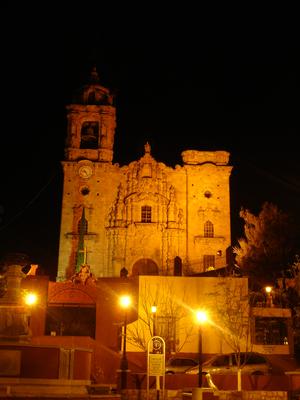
{"x": 91, "y": 123}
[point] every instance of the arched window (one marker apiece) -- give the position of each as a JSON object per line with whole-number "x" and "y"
{"x": 146, "y": 214}
{"x": 83, "y": 226}
{"x": 177, "y": 266}
{"x": 89, "y": 135}
{"x": 208, "y": 229}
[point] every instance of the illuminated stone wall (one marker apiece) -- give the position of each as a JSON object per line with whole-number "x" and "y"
{"x": 142, "y": 215}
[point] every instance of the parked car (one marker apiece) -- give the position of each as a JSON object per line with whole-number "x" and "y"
{"x": 253, "y": 364}
{"x": 179, "y": 365}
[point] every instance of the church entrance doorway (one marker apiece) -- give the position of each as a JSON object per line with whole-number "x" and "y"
{"x": 145, "y": 266}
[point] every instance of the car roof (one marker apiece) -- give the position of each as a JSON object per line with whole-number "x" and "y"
{"x": 239, "y": 352}
{"x": 249, "y": 353}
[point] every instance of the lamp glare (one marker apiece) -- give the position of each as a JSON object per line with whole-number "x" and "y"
{"x": 153, "y": 309}
{"x": 125, "y": 301}
{"x": 30, "y": 299}
{"x": 201, "y": 316}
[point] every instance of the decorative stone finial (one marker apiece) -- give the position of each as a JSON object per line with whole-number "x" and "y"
{"x": 32, "y": 271}
{"x": 94, "y": 77}
{"x": 147, "y": 148}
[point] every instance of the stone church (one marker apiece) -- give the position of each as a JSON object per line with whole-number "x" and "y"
{"x": 145, "y": 218}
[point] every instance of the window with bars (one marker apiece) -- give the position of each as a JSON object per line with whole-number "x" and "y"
{"x": 208, "y": 262}
{"x": 208, "y": 229}
{"x": 146, "y": 214}
{"x": 270, "y": 330}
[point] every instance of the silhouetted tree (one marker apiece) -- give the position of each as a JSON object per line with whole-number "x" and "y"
{"x": 269, "y": 245}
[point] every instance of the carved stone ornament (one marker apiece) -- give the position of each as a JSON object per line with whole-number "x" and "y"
{"x": 84, "y": 276}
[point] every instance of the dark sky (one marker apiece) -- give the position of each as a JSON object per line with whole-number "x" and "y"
{"x": 178, "y": 89}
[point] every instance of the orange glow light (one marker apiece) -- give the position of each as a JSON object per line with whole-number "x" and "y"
{"x": 201, "y": 316}
{"x": 125, "y": 301}
{"x": 153, "y": 309}
{"x": 30, "y": 299}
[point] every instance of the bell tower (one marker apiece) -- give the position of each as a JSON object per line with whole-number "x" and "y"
{"x": 91, "y": 123}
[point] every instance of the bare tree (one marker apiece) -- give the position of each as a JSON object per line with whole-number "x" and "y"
{"x": 167, "y": 321}
{"x": 232, "y": 319}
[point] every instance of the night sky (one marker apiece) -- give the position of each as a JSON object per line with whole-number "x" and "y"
{"x": 176, "y": 89}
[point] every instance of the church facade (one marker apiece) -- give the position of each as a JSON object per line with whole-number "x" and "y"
{"x": 145, "y": 218}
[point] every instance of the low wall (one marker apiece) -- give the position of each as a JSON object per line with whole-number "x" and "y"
{"x": 44, "y": 362}
{"x": 251, "y": 395}
{"x": 132, "y": 394}
{"x": 223, "y": 382}
{"x": 294, "y": 380}
{"x": 23, "y": 388}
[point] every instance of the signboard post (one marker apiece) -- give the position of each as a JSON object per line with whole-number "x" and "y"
{"x": 156, "y": 363}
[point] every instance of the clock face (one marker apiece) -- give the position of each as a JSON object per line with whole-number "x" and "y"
{"x": 85, "y": 171}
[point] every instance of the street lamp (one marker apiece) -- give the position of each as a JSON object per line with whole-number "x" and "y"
{"x": 125, "y": 302}
{"x": 268, "y": 290}
{"x": 201, "y": 317}
{"x": 154, "y": 315}
{"x": 30, "y": 299}
{"x": 153, "y": 311}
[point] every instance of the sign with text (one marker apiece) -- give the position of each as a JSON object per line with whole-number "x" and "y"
{"x": 156, "y": 356}
{"x": 156, "y": 365}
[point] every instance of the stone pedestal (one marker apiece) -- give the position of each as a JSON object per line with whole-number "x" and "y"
{"x": 14, "y": 323}
{"x": 14, "y": 314}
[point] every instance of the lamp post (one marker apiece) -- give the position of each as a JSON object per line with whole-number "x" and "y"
{"x": 268, "y": 290}
{"x": 30, "y": 299}
{"x": 201, "y": 317}
{"x": 125, "y": 302}
{"x": 153, "y": 311}
{"x": 154, "y": 315}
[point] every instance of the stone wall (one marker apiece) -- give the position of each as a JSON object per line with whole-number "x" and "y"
{"x": 134, "y": 394}
{"x": 253, "y": 395}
